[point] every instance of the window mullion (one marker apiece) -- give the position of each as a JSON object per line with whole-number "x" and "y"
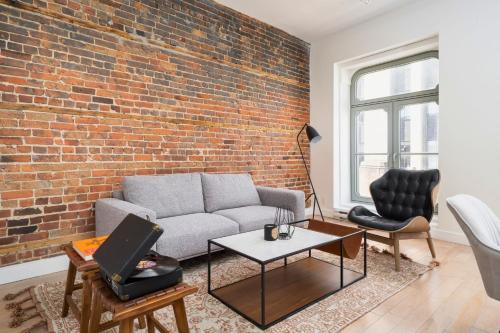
{"x": 395, "y": 136}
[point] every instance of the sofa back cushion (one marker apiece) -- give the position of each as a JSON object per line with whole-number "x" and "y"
{"x": 167, "y": 195}
{"x": 224, "y": 191}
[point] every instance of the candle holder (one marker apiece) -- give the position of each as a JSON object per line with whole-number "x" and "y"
{"x": 282, "y": 219}
{"x": 270, "y": 232}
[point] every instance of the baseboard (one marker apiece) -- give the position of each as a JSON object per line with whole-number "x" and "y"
{"x": 30, "y": 269}
{"x": 448, "y": 236}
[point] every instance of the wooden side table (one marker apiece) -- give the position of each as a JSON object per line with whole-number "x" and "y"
{"x": 88, "y": 270}
{"x": 123, "y": 313}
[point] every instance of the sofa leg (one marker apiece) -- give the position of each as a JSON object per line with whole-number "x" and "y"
{"x": 397, "y": 257}
{"x": 431, "y": 245}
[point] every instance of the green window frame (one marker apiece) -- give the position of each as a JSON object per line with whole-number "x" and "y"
{"x": 392, "y": 105}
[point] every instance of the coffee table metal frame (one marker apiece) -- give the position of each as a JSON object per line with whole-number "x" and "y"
{"x": 262, "y": 325}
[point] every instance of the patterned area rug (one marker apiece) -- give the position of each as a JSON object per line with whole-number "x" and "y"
{"x": 206, "y": 314}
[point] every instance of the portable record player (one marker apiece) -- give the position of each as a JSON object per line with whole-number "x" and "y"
{"x": 129, "y": 266}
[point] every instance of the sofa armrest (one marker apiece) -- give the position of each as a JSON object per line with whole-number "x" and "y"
{"x": 110, "y": 212}
{"x": 284, "y": 198}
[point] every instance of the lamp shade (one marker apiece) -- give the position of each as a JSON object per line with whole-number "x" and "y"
{"x": 312, "y": 134}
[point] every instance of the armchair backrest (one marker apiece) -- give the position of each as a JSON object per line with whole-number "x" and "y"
{"x": 402, "y": 194}
{"x": 476, "y": 219}
{"x": 482, "y": 229}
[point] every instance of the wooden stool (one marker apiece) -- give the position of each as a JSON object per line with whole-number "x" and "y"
{"x": 124, "y": 312}
{"x": 89, "y": 271}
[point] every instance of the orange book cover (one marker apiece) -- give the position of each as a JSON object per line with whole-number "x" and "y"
{"x": 86, "y": 247}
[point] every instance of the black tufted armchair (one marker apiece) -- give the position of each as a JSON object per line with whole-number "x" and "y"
{"x": 405, "y": 201}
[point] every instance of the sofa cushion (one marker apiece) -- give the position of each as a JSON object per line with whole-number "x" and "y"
{"x": 167, "y": 195}
{"x": 187, "y": 235}
{"x": 223, "y": 191}
{"x": 250, "y": 217}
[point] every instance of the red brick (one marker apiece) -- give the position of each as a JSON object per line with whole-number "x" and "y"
{"x": 54, "y": 209}
{"x": 7, "y": 259}
{"x": 8, "y": 240}
{"x": 40, "y": 252}
{"x": 16, "y": 195}
{"x": 48, "y": 226}
{"x": 11, "y": 141}
{"x": 33, "y": 237}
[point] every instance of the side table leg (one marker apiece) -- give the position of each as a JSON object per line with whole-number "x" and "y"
{"x": 180, "y": 316}
{"x": 150, "y": 322}
{"x": 126, "y": 325}
{"x": 70, "y": 282}
{"x": 95, "y": 319}
{"x": 142, "y": 322}
{"x": 86, "y": 301}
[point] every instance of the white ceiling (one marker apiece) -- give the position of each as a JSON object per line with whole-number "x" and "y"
{"x": 313, "y": 19}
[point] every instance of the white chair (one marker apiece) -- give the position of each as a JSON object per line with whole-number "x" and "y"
{"x": 482, "y": 228}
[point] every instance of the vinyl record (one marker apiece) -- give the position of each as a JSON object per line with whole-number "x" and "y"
{"x": 153, "y": 265}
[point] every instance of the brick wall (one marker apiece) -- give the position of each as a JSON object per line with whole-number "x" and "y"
{"x": 94, "y": 90}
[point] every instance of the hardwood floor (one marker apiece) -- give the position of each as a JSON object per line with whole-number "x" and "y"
{"x": 450, "y": 298}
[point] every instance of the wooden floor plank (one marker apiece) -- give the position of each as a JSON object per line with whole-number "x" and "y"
{"x": 361, "y": 325}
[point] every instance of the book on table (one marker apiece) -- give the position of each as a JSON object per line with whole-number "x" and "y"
{"x": 87, "y": 247}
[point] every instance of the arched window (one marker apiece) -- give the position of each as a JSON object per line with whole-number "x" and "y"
{"x": 394, "y": 119}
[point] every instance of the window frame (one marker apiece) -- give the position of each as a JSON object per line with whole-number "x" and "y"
{"x": 392, "y": 105}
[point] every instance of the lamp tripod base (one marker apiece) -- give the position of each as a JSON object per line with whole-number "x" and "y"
{"x": 315, "y": 201}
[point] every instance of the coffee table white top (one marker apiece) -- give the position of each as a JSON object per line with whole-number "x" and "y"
{"x": 254, "y": 245}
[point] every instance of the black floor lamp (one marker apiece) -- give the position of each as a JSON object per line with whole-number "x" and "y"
{"x": 313, "y": 137}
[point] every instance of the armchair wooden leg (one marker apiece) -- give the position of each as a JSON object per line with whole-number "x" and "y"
{"x": 397, "y": 257}
{"x": 431, "y": 245}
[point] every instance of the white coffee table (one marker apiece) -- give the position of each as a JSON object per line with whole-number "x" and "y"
{"x": 273, "y": 295}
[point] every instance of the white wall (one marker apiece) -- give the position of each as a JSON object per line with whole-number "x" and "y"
{"x": 469, "y": 52}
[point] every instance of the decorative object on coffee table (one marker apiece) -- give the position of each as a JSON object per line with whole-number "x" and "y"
{"x": 313, "y": 137}
{"x": 283, "y": 220}
{"x": 273, "y": 295}
{"x": 270, "y": 232}
{"x": 123, "y": 313}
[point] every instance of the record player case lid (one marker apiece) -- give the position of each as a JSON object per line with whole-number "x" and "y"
{"x": 119, "y": 255}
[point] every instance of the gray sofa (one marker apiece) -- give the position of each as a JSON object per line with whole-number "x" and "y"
{"x": 193, "y": 208}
